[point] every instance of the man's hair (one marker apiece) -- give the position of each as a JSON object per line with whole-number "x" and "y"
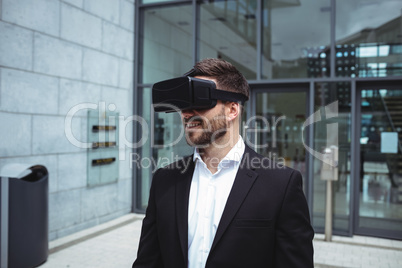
{"x": 225, "y": 74}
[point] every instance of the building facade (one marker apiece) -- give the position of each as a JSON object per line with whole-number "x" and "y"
{"x": 322, "y": 73}
{"x": 75, "y": 96}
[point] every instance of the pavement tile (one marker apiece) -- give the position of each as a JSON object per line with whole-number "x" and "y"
{"x": 118, "y": 248}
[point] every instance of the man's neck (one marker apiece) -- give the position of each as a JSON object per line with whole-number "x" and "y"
{"x": 215, "y": 152}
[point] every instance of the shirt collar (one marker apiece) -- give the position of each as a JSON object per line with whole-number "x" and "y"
{"x": 235, "y": 154}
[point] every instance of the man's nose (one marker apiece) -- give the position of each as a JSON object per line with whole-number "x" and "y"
{"x": 187, "y": 113}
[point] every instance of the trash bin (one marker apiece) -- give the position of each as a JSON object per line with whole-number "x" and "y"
{"x": 24, "y": 216}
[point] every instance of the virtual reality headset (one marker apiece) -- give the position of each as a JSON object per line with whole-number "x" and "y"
{"x": 186, "y": 93}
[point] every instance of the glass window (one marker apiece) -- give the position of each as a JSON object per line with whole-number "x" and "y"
{"x": 296, "y": 39}
{"x": 166, "y": 43}
{"x": 373, "y": 37}
{"x": 228, "y": 30}
{"x": 332, "y": 128}
{"x": 380, "y": 182}
{"x": 279, "y": 118}
{"x": 144, "y": 153}
{"x": 164, "y": 143}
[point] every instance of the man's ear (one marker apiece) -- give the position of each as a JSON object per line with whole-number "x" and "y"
{"x": 233, "y": 109}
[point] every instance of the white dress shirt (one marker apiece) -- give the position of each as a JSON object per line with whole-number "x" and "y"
{"x": 208, "y": 195}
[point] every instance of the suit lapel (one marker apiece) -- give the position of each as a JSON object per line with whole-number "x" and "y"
{"x": 182, "y": 196}
{"x": 244, "y": 180}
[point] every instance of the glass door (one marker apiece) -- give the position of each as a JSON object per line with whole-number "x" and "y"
{"x": 277, "y": 117}
{"x": 379, "y": 204}
{"x": 278, "y": 120}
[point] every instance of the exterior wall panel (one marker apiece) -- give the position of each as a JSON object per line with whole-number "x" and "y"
{"x": 55, "y": 55}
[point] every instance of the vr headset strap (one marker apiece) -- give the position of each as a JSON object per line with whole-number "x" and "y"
{"x": 228, "y": 96}
{"x": 190, "y": 73}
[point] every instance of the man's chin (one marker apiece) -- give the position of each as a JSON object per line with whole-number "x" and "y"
{"x": 193, "y": 142}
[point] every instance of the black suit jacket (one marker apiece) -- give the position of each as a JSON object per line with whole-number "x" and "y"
{"x": 265, "y": 222}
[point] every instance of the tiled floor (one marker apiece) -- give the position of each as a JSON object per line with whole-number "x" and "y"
{"x": 117, "y": 247}
{"x": 343, "y": 254}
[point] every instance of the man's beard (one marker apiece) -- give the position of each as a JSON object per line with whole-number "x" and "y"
{"x": 209, "y": 132}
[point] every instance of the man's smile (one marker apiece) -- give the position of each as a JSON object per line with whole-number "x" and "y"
{"x": 192, "y": 125}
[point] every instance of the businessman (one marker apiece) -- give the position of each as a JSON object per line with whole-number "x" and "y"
{"x": 225, "y": 205}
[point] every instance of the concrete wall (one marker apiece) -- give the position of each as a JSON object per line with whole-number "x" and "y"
{"x": 55, "y": 54}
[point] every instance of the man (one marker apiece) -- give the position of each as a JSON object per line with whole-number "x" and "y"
{"x": 224, "y": 206}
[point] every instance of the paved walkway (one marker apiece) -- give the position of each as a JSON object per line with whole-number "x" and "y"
{"x": 114, "y": 244}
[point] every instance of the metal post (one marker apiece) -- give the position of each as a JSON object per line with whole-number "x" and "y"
{"x": 328, "y": 212}
{"x": 329, "y": 172}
